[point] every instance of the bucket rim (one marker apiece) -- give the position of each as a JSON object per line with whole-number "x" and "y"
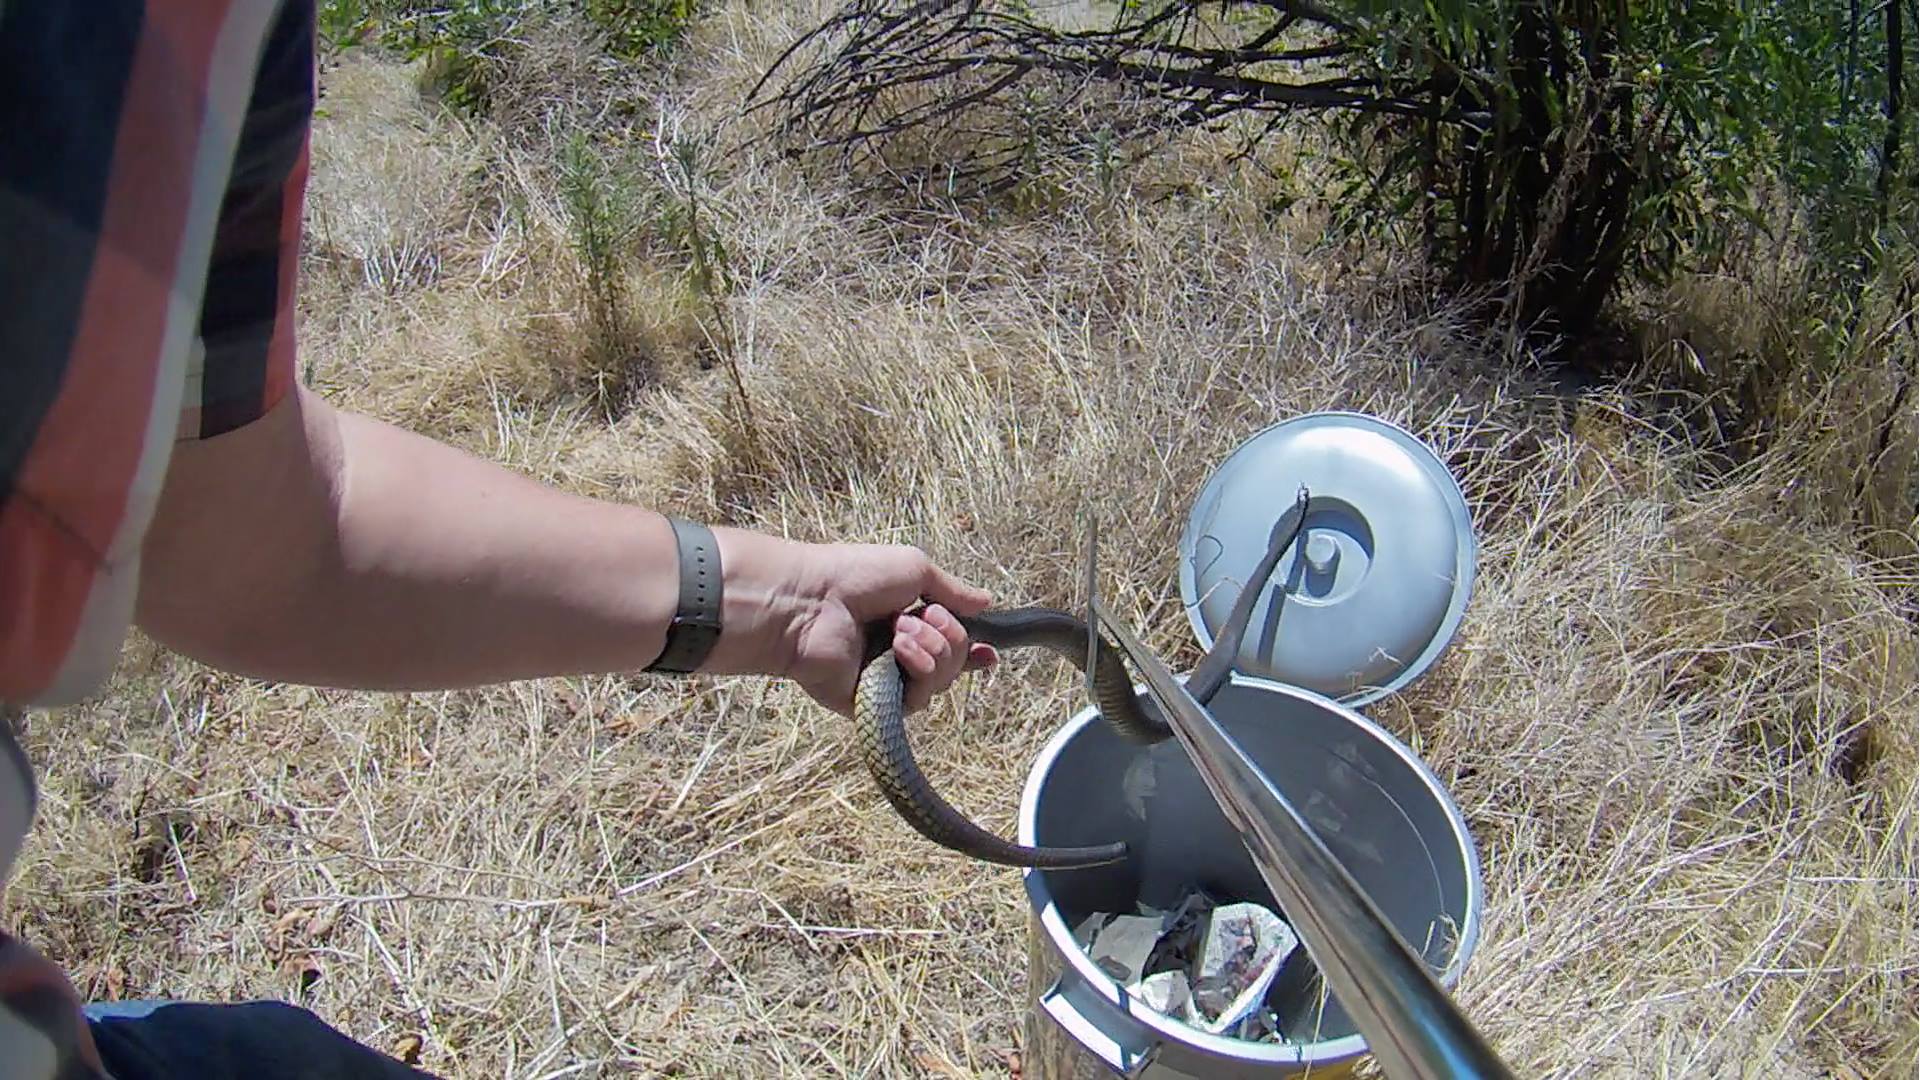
{"x": 1060, "y": 935}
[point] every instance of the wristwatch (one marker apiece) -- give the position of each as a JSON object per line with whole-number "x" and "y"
{"x": 696, "y": 623}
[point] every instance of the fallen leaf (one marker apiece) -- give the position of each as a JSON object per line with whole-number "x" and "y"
{"x": 570, "y": 701}
{"x": 632, "y": 724}
{"x": 280, "y": 935}
{"x": 286, "y": 920}
{"x": 321, "y": 925}
{"x": 407, "y": 1049}
{"x": 238, "y": 852}
{"x": 307, "y": 968}
{"x": 936, "y": 1066}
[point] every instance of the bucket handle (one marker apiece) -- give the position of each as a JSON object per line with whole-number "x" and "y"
{"x": 1079, "y": 1009}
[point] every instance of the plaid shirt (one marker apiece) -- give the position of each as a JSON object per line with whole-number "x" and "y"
{"x": 153, "y": 161}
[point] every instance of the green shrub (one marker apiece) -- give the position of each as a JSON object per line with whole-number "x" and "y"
{"x": 1546, "y": 151}
{"x": 464, "y": 43}
{"x": 1568, "y": 145}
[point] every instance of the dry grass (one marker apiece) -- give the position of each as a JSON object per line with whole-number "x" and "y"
{"x": 1679, "y": 719}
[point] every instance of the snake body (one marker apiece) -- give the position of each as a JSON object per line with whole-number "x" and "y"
{"x": 884, "y": 749}
{"x": 879, "y": 707}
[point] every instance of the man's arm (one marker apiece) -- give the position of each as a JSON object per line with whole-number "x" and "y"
{"x": 309, "y": 544}
{"x": 318, "y": 546}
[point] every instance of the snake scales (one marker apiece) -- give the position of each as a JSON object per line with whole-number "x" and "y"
{"x": 879, "y": 708}
{"x": 879, "y": 705}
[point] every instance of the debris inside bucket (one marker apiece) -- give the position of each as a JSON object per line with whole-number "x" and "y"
{"x": 1202, "y": 963}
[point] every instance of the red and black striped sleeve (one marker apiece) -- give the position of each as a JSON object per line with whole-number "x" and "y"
{"x": 247, "y": 316}
{"x": 153, "y": 162}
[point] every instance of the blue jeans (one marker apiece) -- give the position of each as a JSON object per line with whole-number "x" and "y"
{"x": 178, "y": 1040}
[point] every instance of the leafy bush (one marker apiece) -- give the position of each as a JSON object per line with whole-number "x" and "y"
{"x": 463, "y": 42}
{"x": 1551, "y": 148}
{"x": 1567, "y": 143}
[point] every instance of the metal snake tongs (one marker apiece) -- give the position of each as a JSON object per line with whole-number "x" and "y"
{"x": 1410, "y": 1023}
{"x": 1217, "y": 665}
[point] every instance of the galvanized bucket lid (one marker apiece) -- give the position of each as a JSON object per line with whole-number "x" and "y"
{"x": 1374, "y": 586}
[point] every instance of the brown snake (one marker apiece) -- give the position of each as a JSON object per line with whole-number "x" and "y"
{"x": 878, "y": 714}
{"x": 879, "y": 706}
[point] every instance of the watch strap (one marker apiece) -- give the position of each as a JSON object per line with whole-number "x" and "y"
{"x": 696, "y": 623}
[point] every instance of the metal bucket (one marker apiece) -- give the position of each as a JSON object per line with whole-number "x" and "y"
{"x": 1380, "y": 811}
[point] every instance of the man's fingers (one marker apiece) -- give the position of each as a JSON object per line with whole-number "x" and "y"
{"x": 894, "y": 577}
{"x": 930, "y": 644}
{"x": 948, "y": 627}
{"x": 938, "y": 637}
{"x": 914, "y": 645}
{"x": 930, "y": 648}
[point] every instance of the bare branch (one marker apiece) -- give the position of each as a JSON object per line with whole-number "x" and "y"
{"x": 883, "y": 68}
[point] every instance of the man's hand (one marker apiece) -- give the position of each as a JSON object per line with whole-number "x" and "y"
{"x": 803, "y": 610}
{"x": 844, "y": 588}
